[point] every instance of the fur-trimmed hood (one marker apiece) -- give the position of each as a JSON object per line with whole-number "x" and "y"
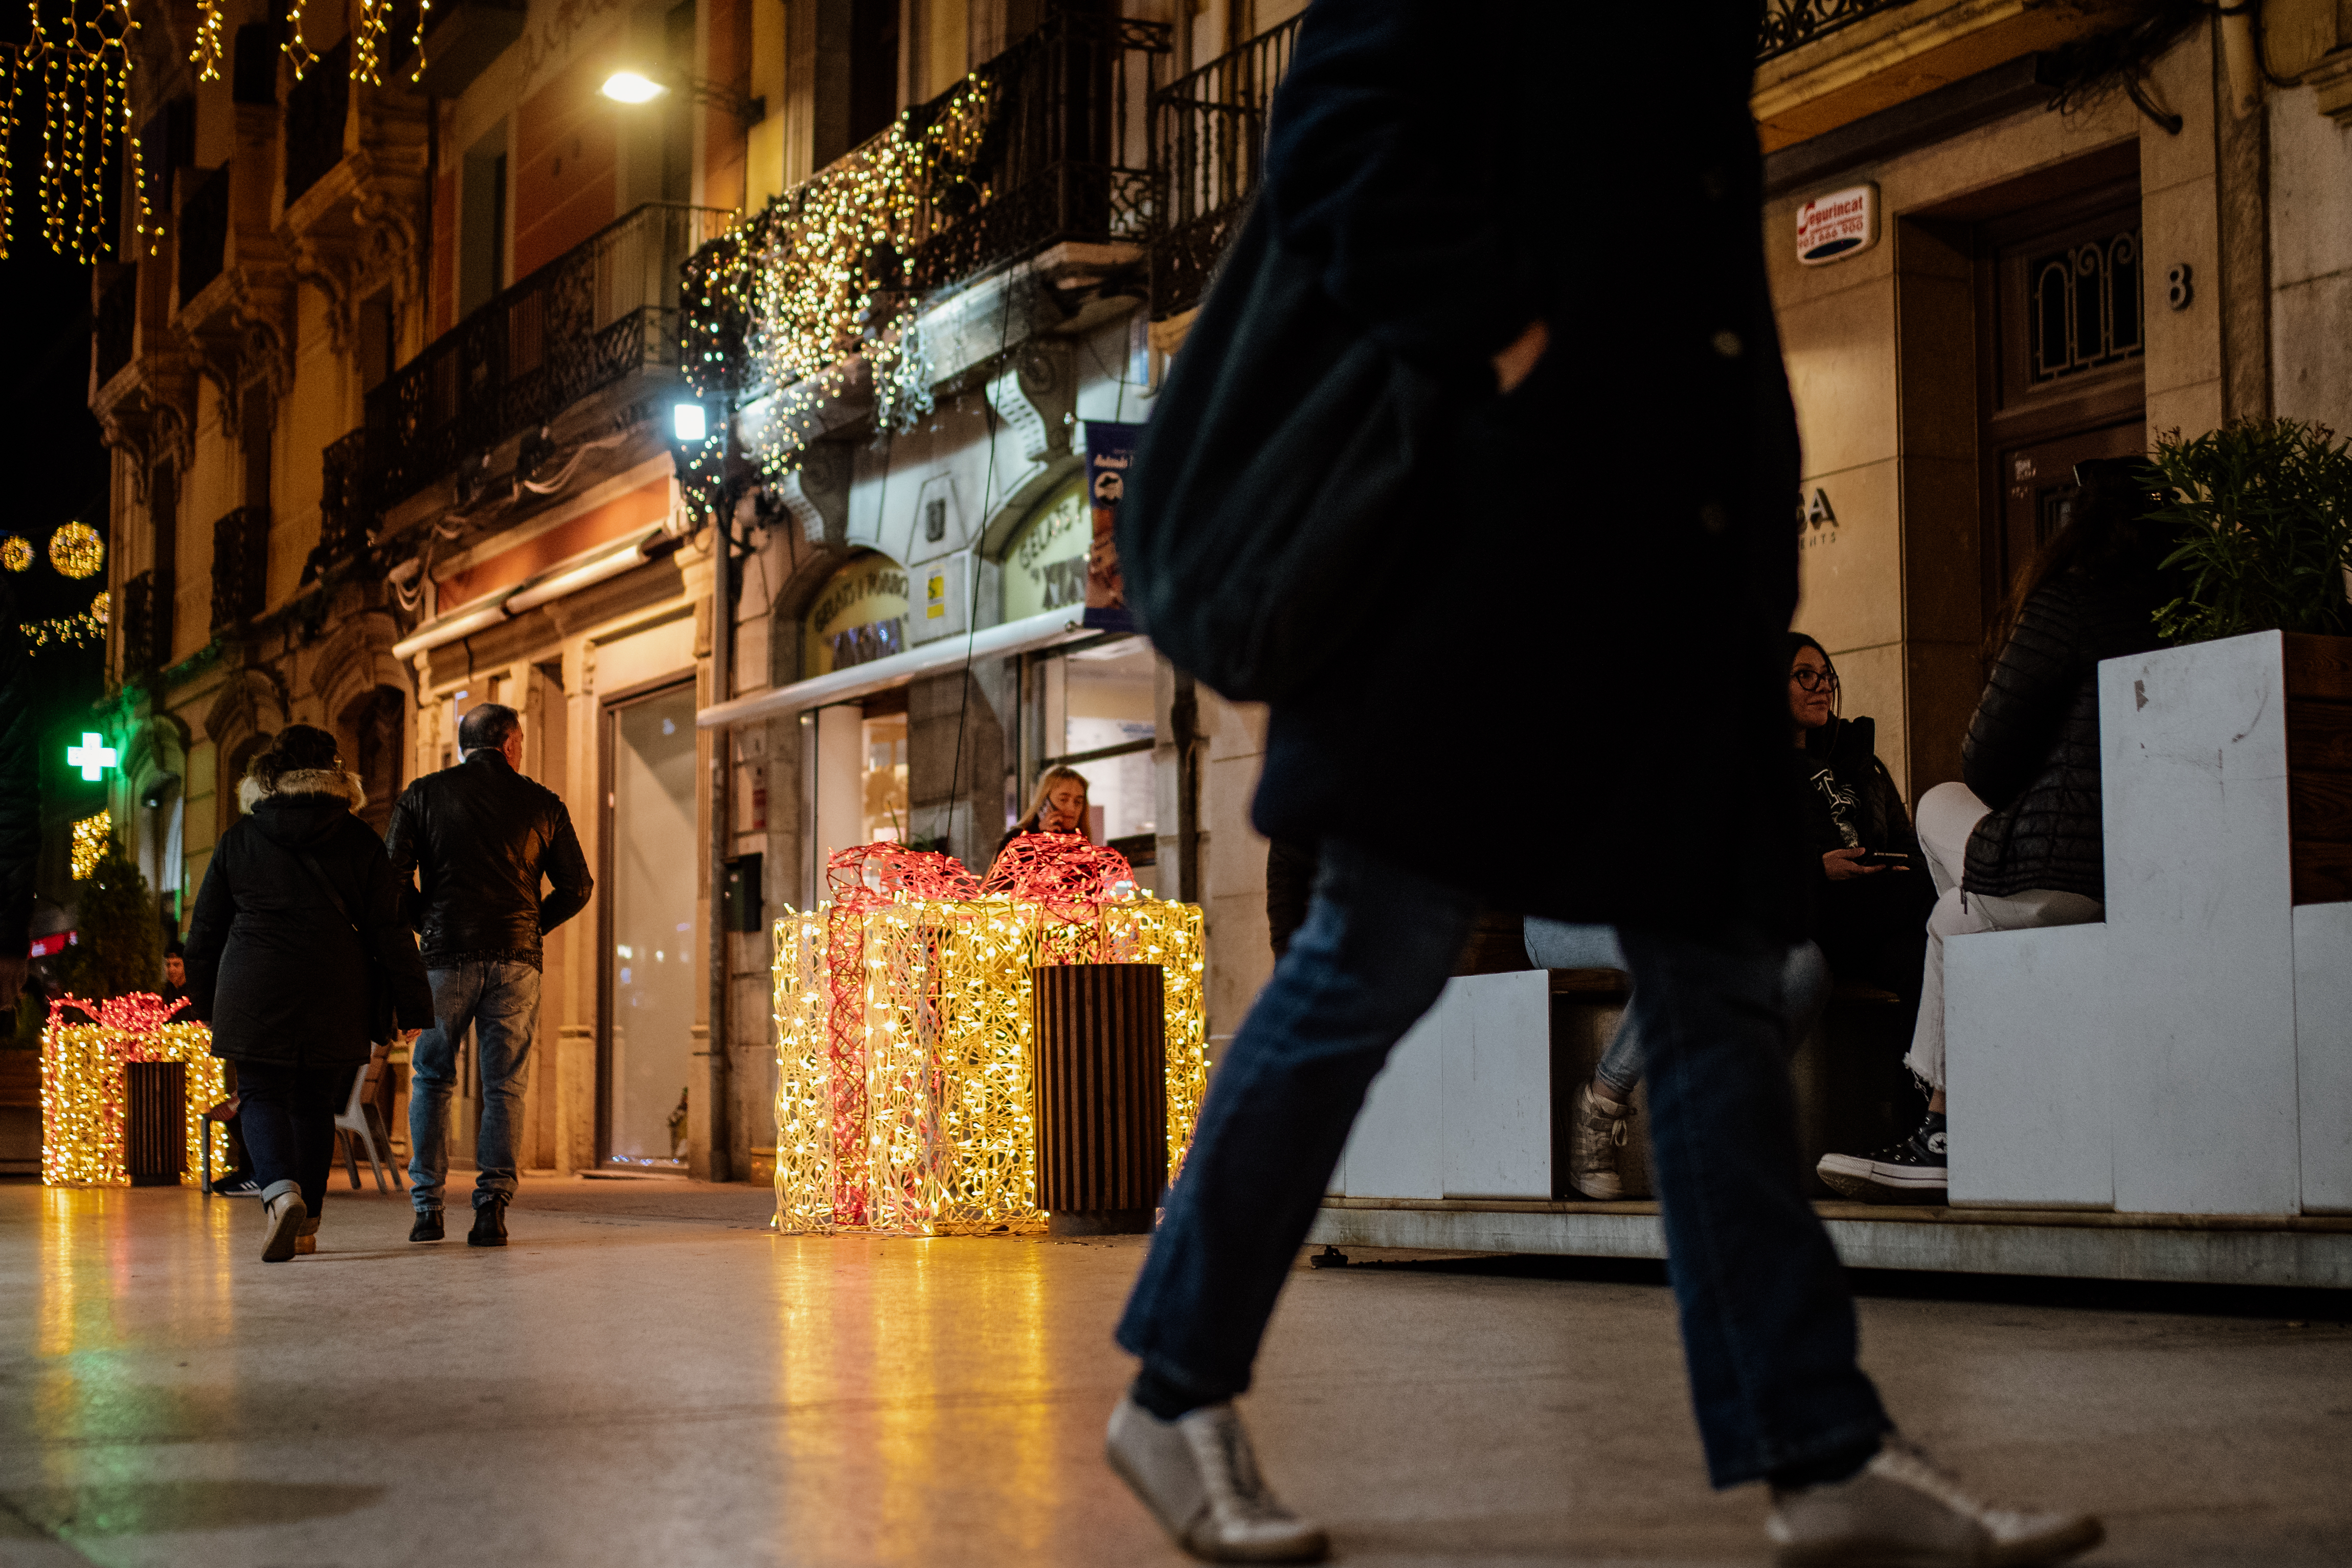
{"x": 329, "y": 782}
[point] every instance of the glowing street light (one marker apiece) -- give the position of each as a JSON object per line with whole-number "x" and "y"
{"x": 92, "y": 756}
{"x": 632, "y": 87}
{"x": 689, "y": 421}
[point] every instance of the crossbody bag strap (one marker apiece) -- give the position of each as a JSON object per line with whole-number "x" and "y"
{"x": 326, "y": 884}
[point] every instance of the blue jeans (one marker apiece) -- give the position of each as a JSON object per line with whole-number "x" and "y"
{"x": 1562, "y": 944}
{"x": 1768, "y": 1324}
{"x": 287, "y": 1114}
{"x": 500, "y": 1003}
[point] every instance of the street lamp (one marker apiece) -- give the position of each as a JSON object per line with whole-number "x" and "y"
{"x": 690, "y": 423}
{"x": 635, "y": 87}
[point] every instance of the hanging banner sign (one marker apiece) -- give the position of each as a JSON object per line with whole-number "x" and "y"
{"x": 1838, "y": 224}
{"x": 1111, "y": 453}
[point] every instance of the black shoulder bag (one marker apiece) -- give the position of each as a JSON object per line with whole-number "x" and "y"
{"x": 383, "y": 1023}
{"x": 1268, "y": 516}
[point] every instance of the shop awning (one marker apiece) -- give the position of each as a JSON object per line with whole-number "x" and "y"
{"x": 897, "y": 669}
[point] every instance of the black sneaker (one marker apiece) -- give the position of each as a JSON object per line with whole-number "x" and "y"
{"x": 1912, "y": 1171}
{"x": 489, "y": 1225}
{"x": 427, "y": 1227}
{"x": 242, "y": 1186}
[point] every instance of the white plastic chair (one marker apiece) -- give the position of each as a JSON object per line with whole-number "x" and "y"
{"x": 359, "y": 1127}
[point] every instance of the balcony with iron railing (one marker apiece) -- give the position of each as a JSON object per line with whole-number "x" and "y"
{"x": 146, "y": 625}
{"x": 603, "y": 310}
{"x": 1046, "y": 144}
{"x": 240, "y": 566}
{"x": 1208, "y": 151}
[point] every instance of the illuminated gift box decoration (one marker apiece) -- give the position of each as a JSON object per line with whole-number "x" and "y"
{"x": 86, "y": 1089}
{"x": 906, "y": 1100}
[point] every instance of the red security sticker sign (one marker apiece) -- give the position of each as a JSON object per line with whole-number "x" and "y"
{"x": 1837, "y": 225}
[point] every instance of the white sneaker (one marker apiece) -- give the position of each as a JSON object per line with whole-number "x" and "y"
{"x": 1602, "y": 1127}
{"x": 1199, "y": 1477}
{"x": 1900, "y": 1511}
{"x": 282, "y": 1213}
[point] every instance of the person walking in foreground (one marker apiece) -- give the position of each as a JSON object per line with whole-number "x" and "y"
{"x": 297, "y": 932}
{"x": 1378, "y": 443}
{"x": 481, "y": 838}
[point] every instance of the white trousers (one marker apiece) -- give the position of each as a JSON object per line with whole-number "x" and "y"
{"x": 1947, "y": 814}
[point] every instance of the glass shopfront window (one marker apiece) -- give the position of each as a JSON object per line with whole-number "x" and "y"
{"x": 1095, "y": 715}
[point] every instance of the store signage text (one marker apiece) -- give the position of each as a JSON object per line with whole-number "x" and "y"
{"x": 1838, "y": 224}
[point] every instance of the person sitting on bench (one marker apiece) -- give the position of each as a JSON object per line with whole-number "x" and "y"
{"x": 2018, "y": 842}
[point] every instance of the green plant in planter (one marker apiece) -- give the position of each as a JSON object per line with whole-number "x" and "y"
{"x": 2262, "y": 511}
{"x": 121, "y": 946}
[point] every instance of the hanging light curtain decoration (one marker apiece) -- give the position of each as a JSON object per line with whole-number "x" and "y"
{"x": 369, "y": 29}
{"x": 823, "y": 287}
{"x": 906, "y": 1101}
{"x": 78, "y": 60}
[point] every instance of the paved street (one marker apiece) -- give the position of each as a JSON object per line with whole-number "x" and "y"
{"x": 648, "y": 1376}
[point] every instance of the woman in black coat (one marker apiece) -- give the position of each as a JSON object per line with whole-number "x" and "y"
{"x": 298, "y": 905}
{"x": 2017, "y": 842}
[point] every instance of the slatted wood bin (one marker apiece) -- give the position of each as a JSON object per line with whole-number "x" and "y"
{"x": 2319, "y": 767}
{"x": 155, "y": 1123}
{"x": 1102, "y": 1095}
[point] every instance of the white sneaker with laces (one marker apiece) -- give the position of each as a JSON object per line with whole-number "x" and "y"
{"x": 1595, "y": 1161}
{"x": 282, "y": 1216}
{"x": 1900, "y": 1511}
{"x": 1199, "y": 1477}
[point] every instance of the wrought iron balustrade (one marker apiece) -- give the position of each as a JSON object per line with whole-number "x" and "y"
{"x": 1208, "y": 146}
{"x": 1789, "y": 25}
{"x": 599, "y": 311}
{"x": 315, "y": 111}
{"x": 203, "y": 233}
{"x": 1062, "y": 151}
{"x": 118, "y": 321}
{"x": 240, "y": 566}
{"x": 353, "y": 478}
{"x": 146, "y": 624}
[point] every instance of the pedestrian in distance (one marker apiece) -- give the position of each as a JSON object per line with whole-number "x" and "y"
{"x": 1412, "y": 379}
{"x": 481, "y": 841}
{"x": 298, "y": 947}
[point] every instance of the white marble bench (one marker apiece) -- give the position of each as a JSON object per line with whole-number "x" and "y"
{"x": 2192, "y": 1054}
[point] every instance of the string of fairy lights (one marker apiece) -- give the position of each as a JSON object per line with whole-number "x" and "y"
{"x": 76, "y": 551}
{"x": 79, "y": 63}
{"x": 814, "y": 290}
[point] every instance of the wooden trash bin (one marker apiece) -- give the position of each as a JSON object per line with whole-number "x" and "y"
{"x": 155, "y": 1122}
{"x": 1102, "y": 1095}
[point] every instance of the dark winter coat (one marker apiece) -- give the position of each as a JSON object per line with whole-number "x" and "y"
{"x": 277, "y": 972}
{"x": 20, "y": 785}
{"x": 2032, "y": 750}
{"x": 1850, "y": 799}
{"x": 1619, "y": 523}
{"x": 480, "y": 838}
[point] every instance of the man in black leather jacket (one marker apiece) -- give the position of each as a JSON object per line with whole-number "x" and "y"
{"x": 482, "y": 837}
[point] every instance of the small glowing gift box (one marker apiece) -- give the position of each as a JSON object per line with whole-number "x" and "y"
{"x": 124, "y": 1086}
{"x": 907, "y": 1099}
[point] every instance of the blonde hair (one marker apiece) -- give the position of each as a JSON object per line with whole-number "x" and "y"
{"x": 1038, "y": 802}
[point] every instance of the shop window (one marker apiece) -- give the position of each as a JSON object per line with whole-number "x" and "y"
{"x": 1097, "y": 718}
{"x": 883, "y": 739}
{"x": 859, "y": 616}
{"x": 1045, "y": 565}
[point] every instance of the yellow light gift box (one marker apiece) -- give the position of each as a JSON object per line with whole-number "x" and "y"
{"x": 907, "y": 1100}
{"x": 86, "y": 1053}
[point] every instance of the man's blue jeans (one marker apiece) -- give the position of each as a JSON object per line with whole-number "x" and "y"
{"x": 1768, "y": 1324}
{"x": 500, "y": 1003}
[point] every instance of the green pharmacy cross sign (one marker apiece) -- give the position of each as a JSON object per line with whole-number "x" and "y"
{"x": 90, "y": 757}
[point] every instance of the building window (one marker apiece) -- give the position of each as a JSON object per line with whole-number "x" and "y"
{"x": 1095, "y": 713}
{"x": 2084, "y": 302}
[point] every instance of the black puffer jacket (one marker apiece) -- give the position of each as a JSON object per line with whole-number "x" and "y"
{"x": 480, "y": 837}
{"x": 1850, "y": 798}
{"x": 277, "y": 972}
{"x": 2032, "y": 750}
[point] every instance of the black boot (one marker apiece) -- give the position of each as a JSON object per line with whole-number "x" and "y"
{"x": 427, "y": 1227}
{"x": 489, "y": 1225}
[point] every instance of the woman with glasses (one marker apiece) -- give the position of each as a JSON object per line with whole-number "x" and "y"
{"x": 1870, "y": 908}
